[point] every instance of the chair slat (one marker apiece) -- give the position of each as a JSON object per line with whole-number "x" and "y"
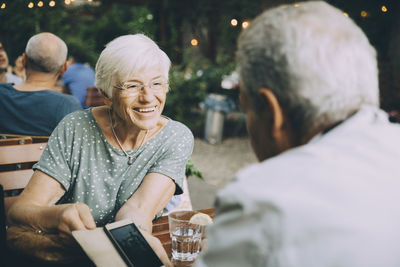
{"x": 12, "y": 180}
{"x": 21, "y": 153}
{"x": 20, "y": 140}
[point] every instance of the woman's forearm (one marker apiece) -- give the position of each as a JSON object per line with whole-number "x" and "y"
{"x": 34, "y": 216}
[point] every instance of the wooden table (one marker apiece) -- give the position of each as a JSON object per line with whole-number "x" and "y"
{"x": 161, "y": 229}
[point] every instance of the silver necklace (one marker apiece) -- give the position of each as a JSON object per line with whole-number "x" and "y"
{"x": 130, "y": 158}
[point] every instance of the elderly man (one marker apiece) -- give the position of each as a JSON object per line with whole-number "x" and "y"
{"x": 325, "y": 192}
{"x": 32, "y": 108}
{"x": 6, "y": 77}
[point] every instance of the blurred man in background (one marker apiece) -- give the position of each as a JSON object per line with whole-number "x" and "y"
{"x": 325, "y": 192}
{"x": 33, "y": 108}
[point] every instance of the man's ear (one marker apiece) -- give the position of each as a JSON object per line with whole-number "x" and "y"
{"x": 64, "y": 68}
{"x": 275, "y": 110}
{"x": 24, "y": 60}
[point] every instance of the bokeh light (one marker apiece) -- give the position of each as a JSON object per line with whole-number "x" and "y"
{"x": 194, "y": 42}
{"x": 234, "y": 22}
{"x": 245, "y": 24}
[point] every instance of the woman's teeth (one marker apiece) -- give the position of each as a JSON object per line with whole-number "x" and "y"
{"x": 145, "y": 109}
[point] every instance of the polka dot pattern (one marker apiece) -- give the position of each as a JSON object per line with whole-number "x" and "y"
{"x": 96, "y": 173}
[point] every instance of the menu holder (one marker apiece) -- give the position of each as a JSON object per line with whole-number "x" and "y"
{"x": 98, "y": 247}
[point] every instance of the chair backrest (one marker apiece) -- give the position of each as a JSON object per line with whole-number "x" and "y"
{"x": 18, "y": 139}
{"x": 6, "y": 140}
{"x": 93, "y": 97}
{"x": 15, "y": 168}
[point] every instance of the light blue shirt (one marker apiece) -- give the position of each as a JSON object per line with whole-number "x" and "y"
{"x": 78, "y": 78}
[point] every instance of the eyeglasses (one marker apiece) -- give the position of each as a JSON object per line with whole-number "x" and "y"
{"x": 135, "y": 87}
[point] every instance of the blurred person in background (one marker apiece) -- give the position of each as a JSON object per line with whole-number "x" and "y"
{"x": 325, "y": 192}
{"x": 5, "y": 76}
{"x": 32, "y": 107}
{"x": 19, "y": 68}
{"x": 79, "y": 75}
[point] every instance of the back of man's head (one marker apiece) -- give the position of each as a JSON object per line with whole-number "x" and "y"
{"x": 316, "y": 61}
{"x": 46, "y": 53}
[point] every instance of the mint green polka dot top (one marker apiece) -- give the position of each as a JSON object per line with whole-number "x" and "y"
{"x": 96, "y": 173}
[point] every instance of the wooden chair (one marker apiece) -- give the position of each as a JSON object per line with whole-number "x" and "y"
{"x": 18, "y": 139}
{"x": 15, "y": 174}
{"x": 93, "y": 97}
{"x": 6, "y": 140}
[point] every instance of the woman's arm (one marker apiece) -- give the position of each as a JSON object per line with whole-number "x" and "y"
{"x": 39, "y": 228}
{"x": 35, "y": 208}
{"x": 150, "y": 198}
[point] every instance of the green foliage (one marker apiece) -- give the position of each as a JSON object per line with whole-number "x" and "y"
{"x": 88, "y": 26}
{"x": 189, "y": 85}
{"x": 191, "y": 170}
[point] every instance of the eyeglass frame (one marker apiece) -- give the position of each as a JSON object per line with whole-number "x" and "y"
{"x": 142, "y": 86}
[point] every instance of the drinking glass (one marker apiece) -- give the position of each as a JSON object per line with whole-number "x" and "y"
{"x": 185, "y": 237}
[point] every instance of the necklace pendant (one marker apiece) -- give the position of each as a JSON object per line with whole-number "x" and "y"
{"x": 130, "y": 160}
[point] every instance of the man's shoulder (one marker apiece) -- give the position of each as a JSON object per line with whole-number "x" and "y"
{"x": 60, "y": 96}
{"x": 7, "y": 86}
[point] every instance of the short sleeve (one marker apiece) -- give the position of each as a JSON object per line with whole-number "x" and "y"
{"x": 176, "y": 153}
{"x": 56, "y": 158}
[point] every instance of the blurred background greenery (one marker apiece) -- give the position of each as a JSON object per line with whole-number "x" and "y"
{"x": 199, "y": 36}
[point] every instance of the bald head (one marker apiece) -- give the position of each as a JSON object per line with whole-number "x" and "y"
{"x": 46, "y": 53}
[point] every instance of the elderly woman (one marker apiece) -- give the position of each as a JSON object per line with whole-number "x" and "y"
{"x": 118, "y": 161}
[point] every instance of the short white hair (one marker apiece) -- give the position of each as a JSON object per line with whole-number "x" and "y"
{"x": 46, "y": 52}
{"x": 316, "y": 61}
{"x": 124, "y": 57}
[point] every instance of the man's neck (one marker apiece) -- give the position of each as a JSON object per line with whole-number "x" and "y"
{"x": 38, "y": 81}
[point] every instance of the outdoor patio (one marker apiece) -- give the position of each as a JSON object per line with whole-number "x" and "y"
{"x": 218, "y": 163}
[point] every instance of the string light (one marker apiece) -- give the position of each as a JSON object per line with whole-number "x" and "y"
{"x": 384, "y": 9}
{"x": 234, "y": 22}
{"x": 40, "y": 4}
{"x": 52, "y": 3}
{"x": 3, "y": 6}
{"x": 30, "y": 5}
{"x": 67, "y": 2}
{"x": 364, "y": 14}
{"x": 90, "y": 0}
{"x": 346, "y": 14}
{"x": 194, "y": 42}
{"x": 245, "y": 24}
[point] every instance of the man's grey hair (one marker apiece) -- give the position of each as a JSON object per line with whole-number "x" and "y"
{"x": 316, "y": 61}
{"x": 46, "y": 53}
{"x": 126, "y": 56}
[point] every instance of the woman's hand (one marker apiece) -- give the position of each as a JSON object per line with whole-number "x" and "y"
{"x": 76, "y": 216}
{"x": 158, "y": 248}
